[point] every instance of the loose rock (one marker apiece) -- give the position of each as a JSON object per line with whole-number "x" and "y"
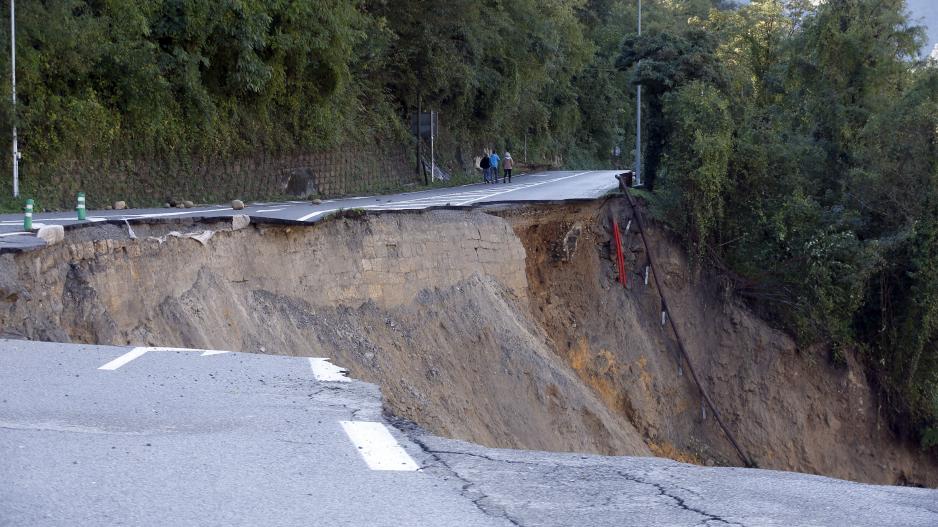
{"x": 120, "y": 205}
{"x": 240, "y": 221}
{"x": 188, "y": 204}
{"x": 51, "y": 234}
{"x": 237, "y": 204}
{"x": 316, "y": 201}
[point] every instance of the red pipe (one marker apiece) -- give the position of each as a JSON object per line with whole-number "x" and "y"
{"x": 620, "y": 258}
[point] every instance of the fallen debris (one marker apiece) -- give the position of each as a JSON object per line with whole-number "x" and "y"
{"x": 240, "y": 221}
{"x": 51, "y": 234}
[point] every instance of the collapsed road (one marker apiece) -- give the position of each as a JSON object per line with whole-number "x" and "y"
{"x": 497, "y": 324}
{"x": 95, "y": 435}
{"x": 537, "y": 187}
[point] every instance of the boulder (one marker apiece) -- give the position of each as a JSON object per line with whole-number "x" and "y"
{"x": 188, "y": 204}
{"x": 51, "y": 234}
{"x": 120, "y": 205}
{"x": 237, "y": 204}
{"x": 240, "y": 221}
{"x": 316, "y": 201}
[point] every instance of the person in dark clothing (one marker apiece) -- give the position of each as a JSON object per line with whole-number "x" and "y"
{"x": 486, "y": 165}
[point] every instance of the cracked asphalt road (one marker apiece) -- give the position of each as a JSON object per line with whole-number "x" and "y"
{"x": 95, "y": 435}
{"x": 548, "y": 186}
{"x": 550, "y": 489}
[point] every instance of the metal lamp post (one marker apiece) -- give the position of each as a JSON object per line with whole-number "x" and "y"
{"x": 638, "y": 115}
{"x": 16, "y": 151}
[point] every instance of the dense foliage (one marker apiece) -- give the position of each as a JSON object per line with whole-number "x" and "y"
{"x": 799, "y": 150}
{"x": 791, "y": 142}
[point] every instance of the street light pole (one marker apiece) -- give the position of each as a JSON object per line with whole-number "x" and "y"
{"x": 16, "y": 151}
{"x": 638, "y": 115}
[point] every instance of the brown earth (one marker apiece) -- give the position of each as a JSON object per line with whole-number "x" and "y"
{"x": 506, "y": 328}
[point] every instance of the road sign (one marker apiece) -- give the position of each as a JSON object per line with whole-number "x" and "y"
{"x": 422, "y": 125}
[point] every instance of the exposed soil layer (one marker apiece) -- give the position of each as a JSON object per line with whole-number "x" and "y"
{"x": 506, "y": 328}
{"x": 789, "y": 408}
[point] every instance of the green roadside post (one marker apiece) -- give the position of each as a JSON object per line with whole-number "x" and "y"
{"x": 28, "y": 216}
{"x": 81, "y": 206}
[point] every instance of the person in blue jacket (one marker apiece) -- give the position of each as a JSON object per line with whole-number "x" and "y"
{"x": 494, "y": 160}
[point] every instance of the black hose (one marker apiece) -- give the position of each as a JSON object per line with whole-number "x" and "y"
{"x": 680, "y": 342}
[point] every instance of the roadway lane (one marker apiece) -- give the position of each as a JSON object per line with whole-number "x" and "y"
{"x": 178, "y": 438}
{"x": 162, "y": 437}
{"x": 538, "y": 187}
{"x": 552, "y": 489}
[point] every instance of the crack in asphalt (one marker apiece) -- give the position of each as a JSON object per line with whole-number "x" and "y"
{"x": 469, "y": 489}
{"x": 678, "y": 501}
{"x": 487, "y": 458}
{"x": 710, "y": 519}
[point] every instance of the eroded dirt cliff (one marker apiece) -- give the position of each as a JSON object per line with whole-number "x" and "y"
{"x": 504, "y": 327}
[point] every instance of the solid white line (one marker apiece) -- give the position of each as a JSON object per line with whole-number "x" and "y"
{"x": 522, "y": 188}
{"x": 269, "y": 210}
{"x": 20, "y": 222}
{"x": 23, "y": 233}
{"x": 125, "y": 358}
{"x": 314, "y": 214}
{"x": 164, "y": 214}
{"x": 377, "y": 446}
{"x": 139, "y": 351}
{"x": 324, "y": 371}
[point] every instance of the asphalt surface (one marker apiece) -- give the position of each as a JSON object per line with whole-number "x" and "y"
{"x": 182, "y": 438}
{"x": 537, "y": 187}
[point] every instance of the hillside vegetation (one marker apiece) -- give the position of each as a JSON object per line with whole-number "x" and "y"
{"x": 795, "y": 146}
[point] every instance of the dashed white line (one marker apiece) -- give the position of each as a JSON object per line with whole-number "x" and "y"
{"x": 378, "y": 447}
{"x": 135, "y": 353}
{"x": 325, "y": 371}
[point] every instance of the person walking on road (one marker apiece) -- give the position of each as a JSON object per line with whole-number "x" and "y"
{"x": 507, "y": 164}
{"x": 494, "y": 160}
{"x": 486, "y": 165}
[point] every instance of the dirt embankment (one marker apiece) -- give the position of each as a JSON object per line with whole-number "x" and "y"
{"x": 507, "y": 329}
{"x": 787, "y": 407}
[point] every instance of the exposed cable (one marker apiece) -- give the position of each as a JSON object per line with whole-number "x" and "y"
{"x": 677, "y": 335}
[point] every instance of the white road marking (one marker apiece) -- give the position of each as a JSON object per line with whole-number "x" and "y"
{"x": 135, "y": 353}
{"x": 138, "y": 352}
{"x": 325, "y": 371}
{"x": 165, "y": 214}
{"x": 314, "y": 214}
{"x": 377, "y": 446}
{"x": 269, "y": 210}
{"x": 23, "y": 233}
{"x": 20, "y": 222}
{"x": 522, "y": 187}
